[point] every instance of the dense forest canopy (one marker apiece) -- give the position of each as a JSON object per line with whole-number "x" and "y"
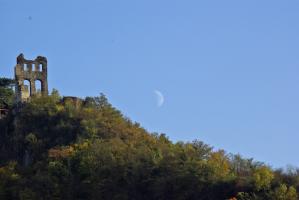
{"x": 55, "y": 149}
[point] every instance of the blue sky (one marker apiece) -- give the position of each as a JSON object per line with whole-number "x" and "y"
{"x": 228, "y": 69}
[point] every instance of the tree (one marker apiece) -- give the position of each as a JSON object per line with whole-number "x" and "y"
{"x": 218, "y": 162}
{"x": 6, "y": 92}
{"x": 283, "y": 192}
{"x": 262, "y": 178}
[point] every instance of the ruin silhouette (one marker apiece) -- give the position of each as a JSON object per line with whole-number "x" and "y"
{"x": 31, "y": 71}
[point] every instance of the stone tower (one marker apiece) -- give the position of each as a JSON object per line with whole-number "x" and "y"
{"x": 32, "y": 71}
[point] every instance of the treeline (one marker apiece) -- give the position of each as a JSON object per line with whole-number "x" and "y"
{"x": 55, "y": 149}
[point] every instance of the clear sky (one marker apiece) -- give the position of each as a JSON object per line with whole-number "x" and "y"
{"x": 228, "y": 70}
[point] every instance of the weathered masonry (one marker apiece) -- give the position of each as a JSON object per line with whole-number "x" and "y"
{"x": 33, "y": 72}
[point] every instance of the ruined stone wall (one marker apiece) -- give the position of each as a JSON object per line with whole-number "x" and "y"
{"x": 75, "y": 101}
{"x": 32, "y": 71}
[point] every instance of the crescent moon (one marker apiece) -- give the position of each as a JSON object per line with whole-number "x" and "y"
{"x": 160, "y": 98}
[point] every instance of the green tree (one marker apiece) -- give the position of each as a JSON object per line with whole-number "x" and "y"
{"x": 262, "y": 178}
{"x": 6, "y": 92}
{"x": 283, "y": 192}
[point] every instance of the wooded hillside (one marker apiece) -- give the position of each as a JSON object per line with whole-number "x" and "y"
{"x": 52, "y": 149}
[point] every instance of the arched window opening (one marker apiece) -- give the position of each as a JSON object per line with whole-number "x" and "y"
{"x": 27, "y": 89}
{"x": 38, "y": 87}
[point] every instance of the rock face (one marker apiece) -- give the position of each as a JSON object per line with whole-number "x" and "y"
{"x": 32, "y": 71}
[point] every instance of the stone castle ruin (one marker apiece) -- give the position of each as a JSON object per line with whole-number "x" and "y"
{"x": 31, "y": 71}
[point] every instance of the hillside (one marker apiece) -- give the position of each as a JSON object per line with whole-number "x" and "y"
{"x": 55, "y": 149}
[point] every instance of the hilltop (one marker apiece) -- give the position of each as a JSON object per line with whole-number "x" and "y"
{"x": 60, "y": 149}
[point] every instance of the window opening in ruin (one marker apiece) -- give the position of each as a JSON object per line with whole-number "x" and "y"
{"x": 38, "y": 87}
{"x": 27, "y": 89}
